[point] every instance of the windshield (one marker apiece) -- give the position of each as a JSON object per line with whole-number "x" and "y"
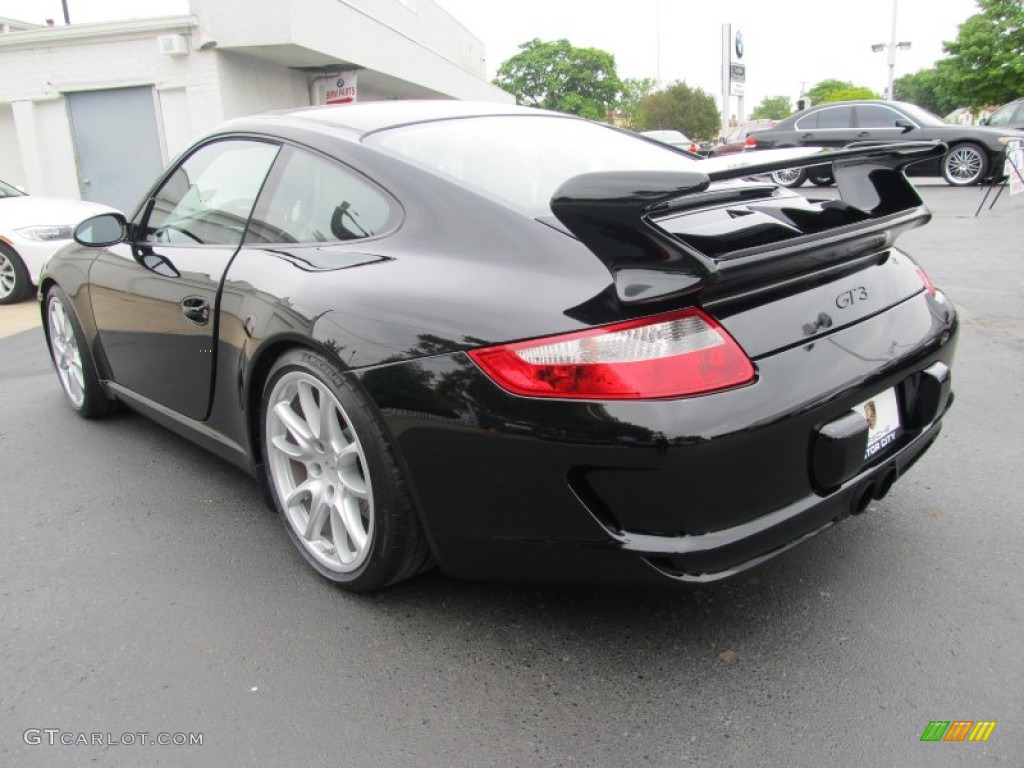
{"x": 522, "y": 160}
{"x": 1003, "y": 115}
{"x": 922, "y": 116}
{"x": 6, "y": 190}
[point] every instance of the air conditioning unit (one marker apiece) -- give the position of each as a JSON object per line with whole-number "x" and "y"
{"x": 173, "y": 45}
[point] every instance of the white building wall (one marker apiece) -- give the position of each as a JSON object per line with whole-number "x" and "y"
{"x": 60, "y": 176}
{"x": 12, "y": 170}
{"x": 257, "y": 53}
{"x": 39, "y": 66}
{"x": 249, "y": 85}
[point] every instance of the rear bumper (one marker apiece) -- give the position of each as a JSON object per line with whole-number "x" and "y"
{"x": 720, "y": 554}
{"x": 689, "y": 490}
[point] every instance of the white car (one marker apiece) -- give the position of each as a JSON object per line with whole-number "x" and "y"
{"x": 31, "y": 230}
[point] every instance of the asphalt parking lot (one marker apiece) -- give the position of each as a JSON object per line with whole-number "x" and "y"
{"x": 144, "y": 587}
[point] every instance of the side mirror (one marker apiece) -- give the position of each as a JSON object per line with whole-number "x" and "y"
{"x": 906, "y": 125}
{"x": 103, "y": 230}
{"x": 983, "y": 121}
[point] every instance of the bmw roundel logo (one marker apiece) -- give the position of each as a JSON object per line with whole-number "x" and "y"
{"x": 341, "y": 80}
{"x": 739, "y": 45}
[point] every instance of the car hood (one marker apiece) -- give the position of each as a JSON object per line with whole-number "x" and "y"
{"x": 28, "y": 211}
{"x": 978, "y": 132}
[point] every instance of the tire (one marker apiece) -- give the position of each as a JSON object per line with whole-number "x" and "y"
{"x": 964, "y": 164}
{"x": 790, "y": 177}
{"x": 365, "y": 534}
{"x": 72, "y": 359}
{"x": 15, "y": 284}
{"x": 821, "y": 178}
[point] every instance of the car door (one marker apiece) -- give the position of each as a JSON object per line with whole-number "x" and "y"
{"x": 155, "y": 298}
{"x": 826, "y": 127}
{"x": 877, "y": 122}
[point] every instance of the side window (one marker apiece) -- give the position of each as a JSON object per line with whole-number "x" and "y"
{"x": 208, "y": 198}
{"x": 315, "y": 200}
{"x": 807, "y": 122}
{"x": 835, "y": 117}
{"x": 876, "y": 117}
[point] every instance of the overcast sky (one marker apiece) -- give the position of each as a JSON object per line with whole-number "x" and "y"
{"x": 788, "y": 42}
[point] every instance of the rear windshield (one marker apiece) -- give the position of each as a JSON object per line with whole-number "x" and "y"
{"x": 522, "y": 160}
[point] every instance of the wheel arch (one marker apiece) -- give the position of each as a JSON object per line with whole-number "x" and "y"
{"x": 259, "y": 371}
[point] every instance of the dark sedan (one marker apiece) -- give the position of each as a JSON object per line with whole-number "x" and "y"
{"x": 974, "y": 152}
{"x": 514, "y": 343}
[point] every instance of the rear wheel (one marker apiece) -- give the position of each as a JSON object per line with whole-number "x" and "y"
{"x": 821, "y": 178}
{"x": 790, "y": 177}
{"x": 334, "y": 479}
{"x": 15, "y": 285}
{"x": 964, "y": 164}
{"x": 72, "y": 360}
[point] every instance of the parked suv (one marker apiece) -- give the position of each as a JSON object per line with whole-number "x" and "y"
{"x": 973, "y": 150}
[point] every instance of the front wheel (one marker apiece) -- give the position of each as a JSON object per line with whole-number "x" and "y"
{"x": 821, "y": 178}
{"x": 964, "y": 164}
{"x": 334, "y": 479}
{"x": 790, "y": 177}
{"x": 15, "y": 285}
{"x": 72, "y": 359}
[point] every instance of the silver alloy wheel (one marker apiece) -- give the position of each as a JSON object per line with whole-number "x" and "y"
{"x": 8, "y": 277}
{"x": 787, "y": 176}
{"x": 318, "y": 471}
{"x": 66, "y": 356}
{"x": 964, "y": 164}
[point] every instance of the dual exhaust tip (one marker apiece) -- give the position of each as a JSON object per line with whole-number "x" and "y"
{"x": 872, "y": 490}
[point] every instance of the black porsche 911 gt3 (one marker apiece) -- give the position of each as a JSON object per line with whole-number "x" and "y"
{"x": 515, "y": 343}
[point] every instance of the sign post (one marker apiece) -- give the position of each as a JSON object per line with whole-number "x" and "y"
{"x": 1013, "y": 175}
{"x": 734, "y": 76}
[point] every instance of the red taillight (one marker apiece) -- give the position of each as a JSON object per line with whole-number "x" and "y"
{"x": 928, "y": 284}
{"x": 750, "y": 141}
{"x": 673, "y": 355}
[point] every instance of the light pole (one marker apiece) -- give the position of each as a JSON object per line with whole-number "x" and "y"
{"x": 891, "y": 46}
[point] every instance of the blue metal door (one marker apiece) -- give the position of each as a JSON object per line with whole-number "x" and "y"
{"x": 117, "y": 144}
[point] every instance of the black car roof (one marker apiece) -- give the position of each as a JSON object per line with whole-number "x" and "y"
{"x": 361, "y": 119}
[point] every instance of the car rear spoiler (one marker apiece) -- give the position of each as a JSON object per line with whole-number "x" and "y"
{"x": 615, "y": 215}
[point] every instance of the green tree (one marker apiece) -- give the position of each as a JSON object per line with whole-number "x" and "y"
{"x": 986, "y": 61}
{"x": 555, "y": 75}
{"x": 680, "y": 107}
{"x": 772, "y": 107}
{"x": 849, "y": 94}
{"x": 819, "y": 92}
{"x": 634, "y": 89}
{"x": 924, "y": 89}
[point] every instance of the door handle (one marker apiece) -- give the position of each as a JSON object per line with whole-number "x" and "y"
{"x": 862, "y": 134}
{"x": 196, "y": 310}
{"x": 807, "y": 136}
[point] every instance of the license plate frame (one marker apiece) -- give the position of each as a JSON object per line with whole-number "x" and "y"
{"x": 882, "y": 412}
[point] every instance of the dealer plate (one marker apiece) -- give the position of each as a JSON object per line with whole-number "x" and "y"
{"x": 883, "y": 416}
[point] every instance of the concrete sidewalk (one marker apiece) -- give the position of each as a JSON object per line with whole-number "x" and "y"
{"x": 15, "y": 318}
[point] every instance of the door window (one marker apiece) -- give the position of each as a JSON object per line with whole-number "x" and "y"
{"x": 208, "y": 198}
{"x": 835, "y": 117}
{"x": 315, "y": 200}
{"x": 807, "y": 122}
{"x": 871, "y": 116}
